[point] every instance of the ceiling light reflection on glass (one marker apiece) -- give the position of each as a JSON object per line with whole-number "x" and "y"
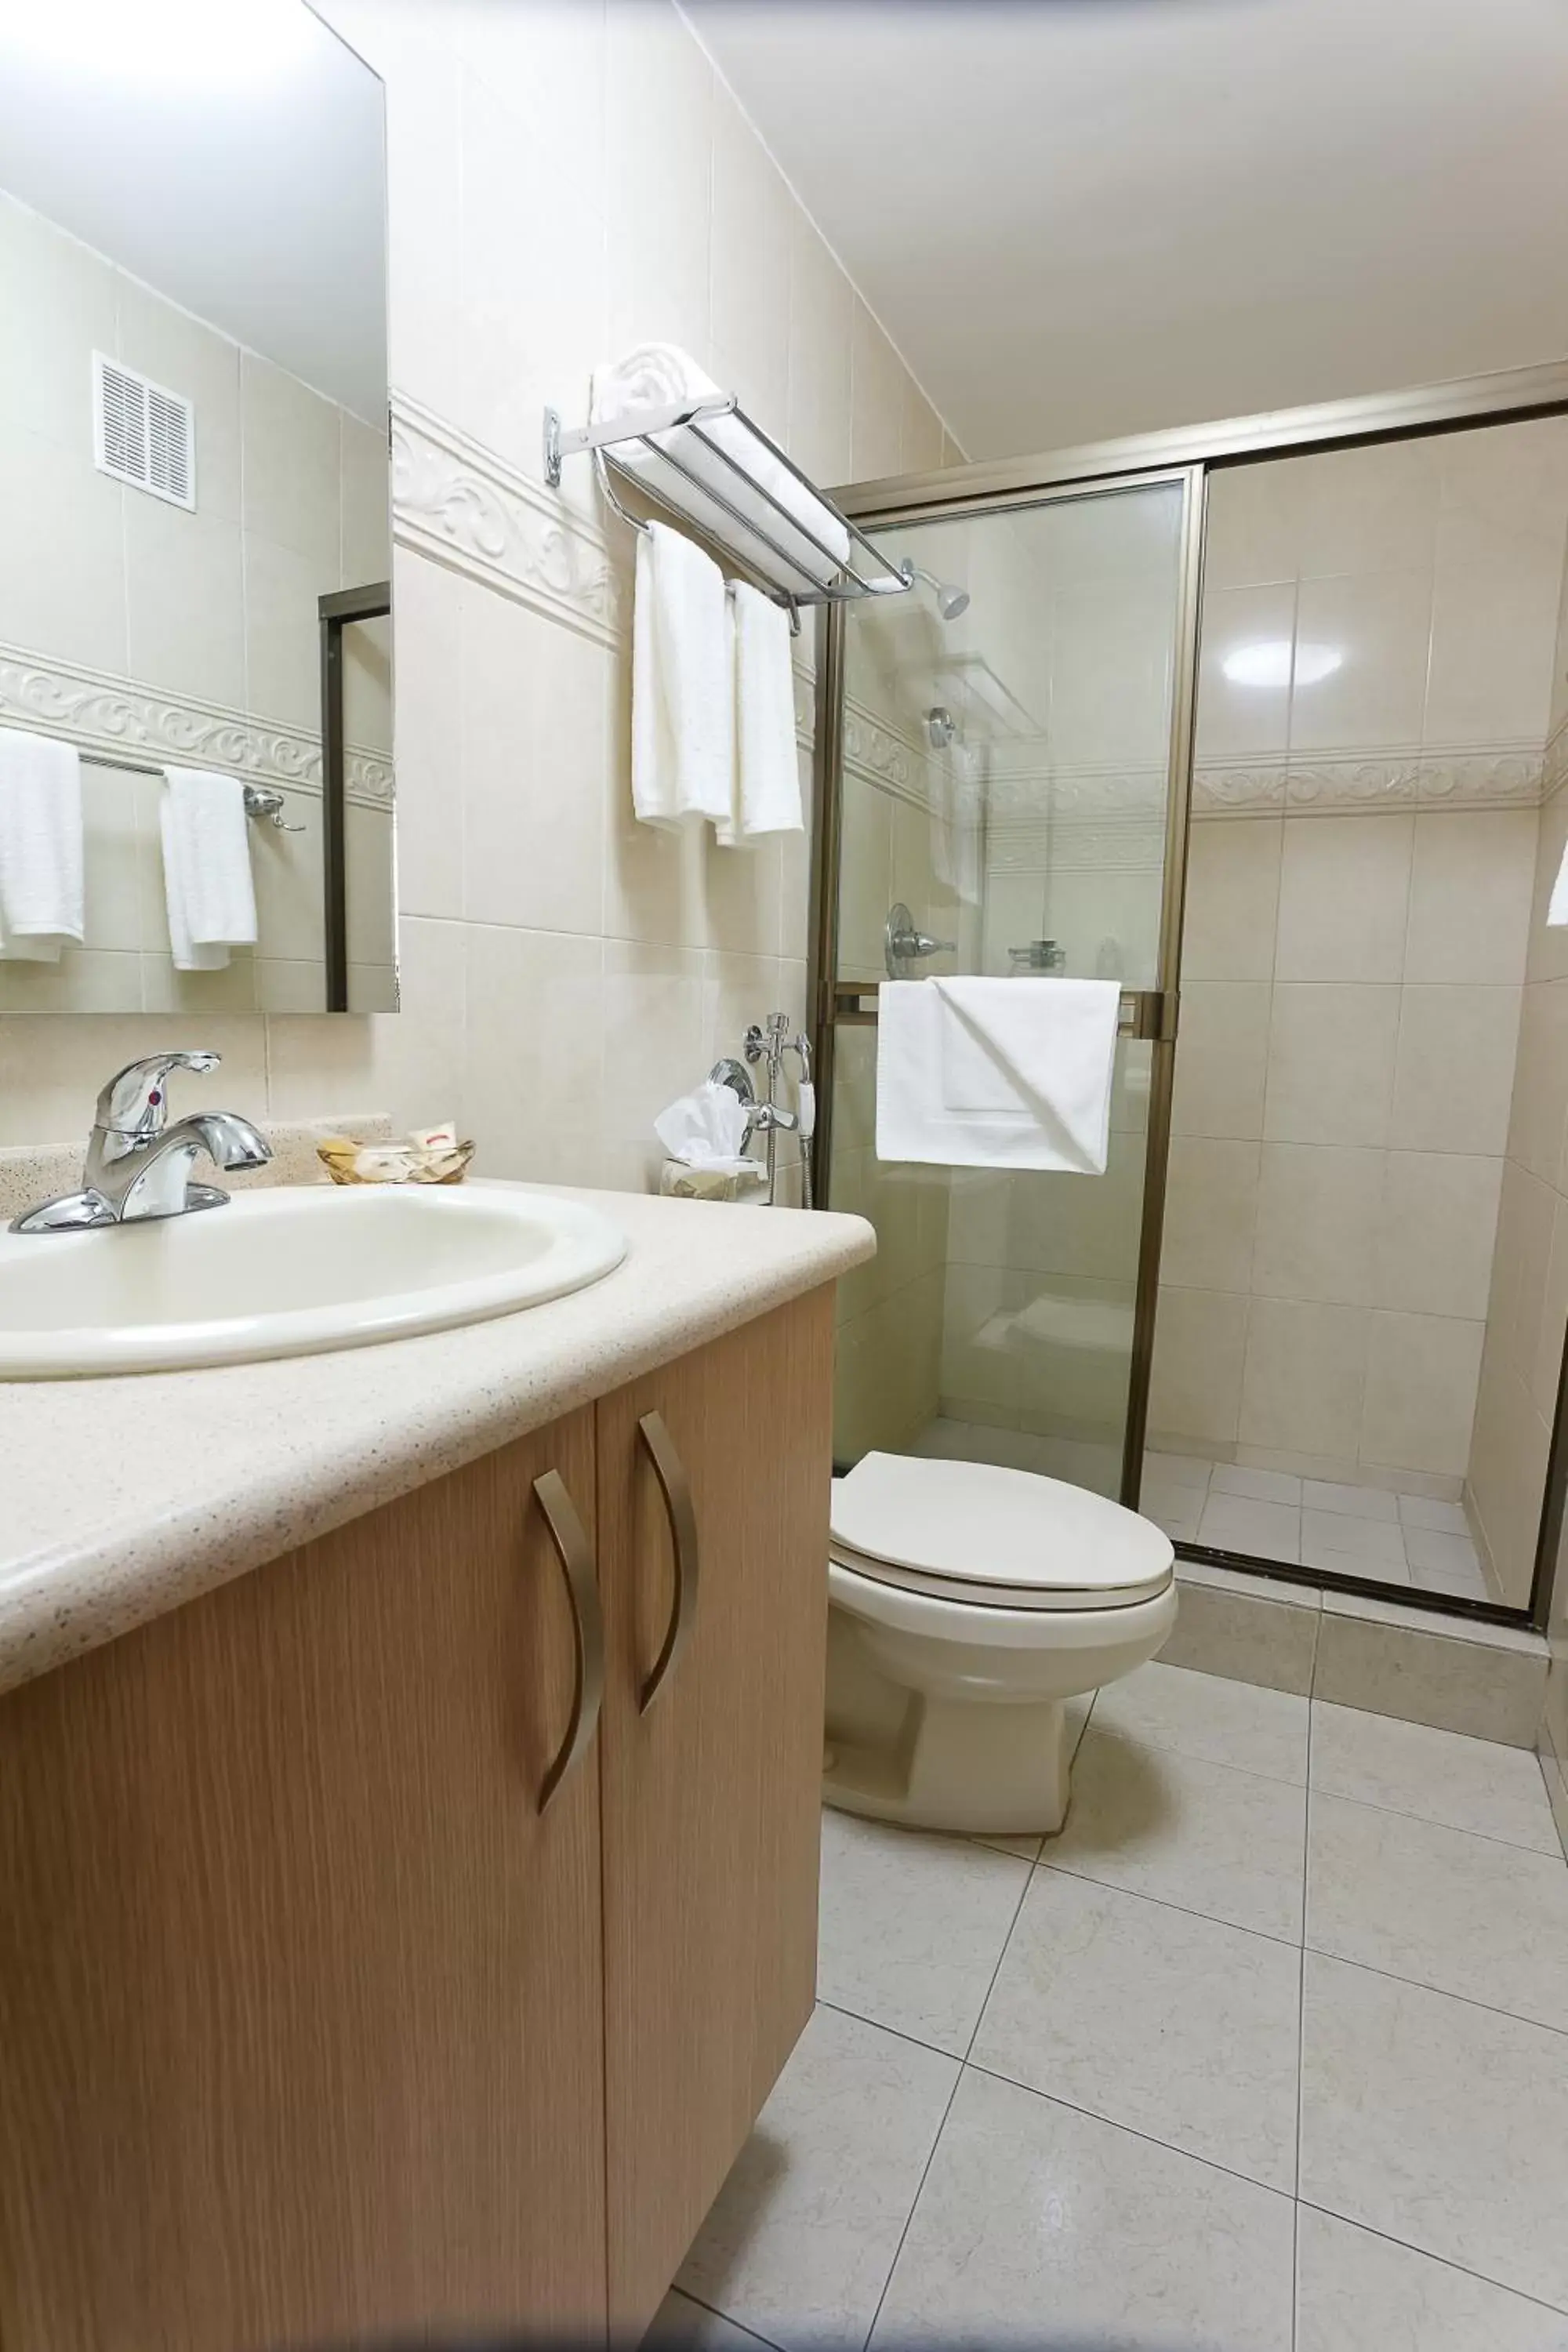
{"x": 1268, "y": 663}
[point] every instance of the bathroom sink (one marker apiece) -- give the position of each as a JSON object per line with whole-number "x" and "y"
{"x": 288, "y": 1272}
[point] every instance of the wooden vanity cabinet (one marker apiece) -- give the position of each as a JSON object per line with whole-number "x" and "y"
{"x": 314, "y": 2029}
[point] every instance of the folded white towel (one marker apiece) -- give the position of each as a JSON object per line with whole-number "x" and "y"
{"x": 206, "y": 868}
{"x": 767, "y": 765}
{"x": 41, "y": 902}
{"x": 976, "y": 1073}
{"x": 683, "y": 698}
{"x": 659, "y": 375}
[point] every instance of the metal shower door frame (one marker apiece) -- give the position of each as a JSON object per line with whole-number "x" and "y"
{"x": 1156, "y": 1024}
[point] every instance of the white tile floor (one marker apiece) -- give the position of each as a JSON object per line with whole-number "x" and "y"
{"x": 1399, "y": 1539}
{"x": 1267, "y": 2052}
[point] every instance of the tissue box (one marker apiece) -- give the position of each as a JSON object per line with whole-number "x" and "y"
{"x": 678, "y": 1182}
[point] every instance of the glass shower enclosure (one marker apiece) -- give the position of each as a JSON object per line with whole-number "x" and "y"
{"x": 1267, "y": 722}
{"x": 1011, "y": 742}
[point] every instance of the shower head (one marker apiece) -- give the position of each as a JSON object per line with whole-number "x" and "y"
{"x": 951, "y": 599}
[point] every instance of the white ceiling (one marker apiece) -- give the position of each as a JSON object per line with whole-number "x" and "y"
{"x": 1080, "y": 219}
{"x": 228, "y": 153}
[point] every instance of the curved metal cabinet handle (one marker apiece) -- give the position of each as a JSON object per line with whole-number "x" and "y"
{"x": 575, "y": 1554}
{"x": 676, "y": 1488}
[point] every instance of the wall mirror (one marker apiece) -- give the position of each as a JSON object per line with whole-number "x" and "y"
{"x": 195, "y": 633}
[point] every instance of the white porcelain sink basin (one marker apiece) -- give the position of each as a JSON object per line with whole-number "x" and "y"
{"x": 288, "y": 1272}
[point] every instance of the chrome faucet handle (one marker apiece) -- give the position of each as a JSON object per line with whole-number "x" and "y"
{"x": 135, "y": 1101}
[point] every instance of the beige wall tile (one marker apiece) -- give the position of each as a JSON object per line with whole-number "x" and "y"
{"x": 1222, "y": 1056}
{"x": 1545, "y": 1368}
{"x": 1494, "y": 630}
{"x": 822, "y": 321}
{"x": 1378, "y": 623}
{"x": 1345, "y": 889}
{"x": 1470, "y": 892}
{"x": 525, "y": 785}
{"x": 1370, "y": 509}
{"x": 60, "y": 299}
{"x": 1252, "y": 528}
{"x": 876, "y": 418}
{"x": 179, "y": 352}
{"x": 1195, "y": 1386}
{"x": 1453, "y": 1076}
{"x": 1438, "y": 1232}
{"x": 290, "y": 436}
{"x": 282, "y": 633}
{"x": 752, "y": 237}
{"x": 1211, "y": 1204}
{"x": 1302, "y": 1384}
{"x": 1246, "y": 715}
{"x": 1540, "y": 1104}
{"x": 1319, "y": 1213}
{"x": 184, "y": 601}
{"x": 1331, "y": 1062}
{"x": 1421, "y": 1376}
{"x": 1233, "y": 895}
{"x": 1548, "y": 957}
{"x": 1507, "y": 1473}
{"x": 62, "y": 563}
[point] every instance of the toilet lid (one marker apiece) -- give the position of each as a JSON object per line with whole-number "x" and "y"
{"x": 1008, "y": 1538}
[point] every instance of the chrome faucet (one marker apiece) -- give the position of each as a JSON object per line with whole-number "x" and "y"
{"x": 137, "y": 1166}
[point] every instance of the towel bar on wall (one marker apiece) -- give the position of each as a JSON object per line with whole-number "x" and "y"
{"x": 692, "y": 494}
{"x": 1147, "y": 1014}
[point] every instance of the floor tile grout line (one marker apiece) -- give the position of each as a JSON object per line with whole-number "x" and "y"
{"x": 959, "y": 2073}
{"x": 899, "y": 2032}
{"x": 1133, "y": 2131}
{"x": 1291, "y": 1943}
{"x": 728, "y": 2317}
{"x": 1300, "y": 2050}
{"x": 1241, "y": 1771}
{"x": 1443, "y": 1992}
{"x": 1403, "y": 1813}
{"x": 1387, "y": 2238}
{"x": 962, "y": 2068}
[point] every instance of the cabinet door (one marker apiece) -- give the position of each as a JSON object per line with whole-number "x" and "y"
{"x": 301, "y": 2009}
{"x": 712, "y": 1797}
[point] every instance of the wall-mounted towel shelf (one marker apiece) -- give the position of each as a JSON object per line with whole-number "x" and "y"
{"x": 707, "y": 463}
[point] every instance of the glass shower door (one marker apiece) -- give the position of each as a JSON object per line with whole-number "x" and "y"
{"x": 1006, "y": 792}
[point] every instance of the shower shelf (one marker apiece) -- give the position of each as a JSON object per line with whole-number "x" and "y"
{"x": 721, "y": 486}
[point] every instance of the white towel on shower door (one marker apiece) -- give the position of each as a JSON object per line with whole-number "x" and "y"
{"x": 683, "y": 691}
{"x": 41, "y": 896}
{"x": 974, "y": 1073}
{"x": 206, "y": 868}
{"x": 767, "y": 764}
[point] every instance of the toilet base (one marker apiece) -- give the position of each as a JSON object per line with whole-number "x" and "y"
{"x": 968, "y": 1766}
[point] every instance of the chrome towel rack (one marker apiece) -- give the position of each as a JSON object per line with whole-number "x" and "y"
{"x": 690, "y": 473}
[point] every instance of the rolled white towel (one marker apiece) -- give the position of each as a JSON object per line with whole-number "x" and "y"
{"x": 660, "y": 376}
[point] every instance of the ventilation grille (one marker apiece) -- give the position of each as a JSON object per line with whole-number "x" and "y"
{"x": 141, "y": 434}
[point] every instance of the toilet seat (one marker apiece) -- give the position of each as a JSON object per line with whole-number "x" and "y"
{"x": 990, "y": 1538}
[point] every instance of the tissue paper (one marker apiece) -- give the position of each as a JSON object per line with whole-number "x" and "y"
{"x": 707, "y": 1129}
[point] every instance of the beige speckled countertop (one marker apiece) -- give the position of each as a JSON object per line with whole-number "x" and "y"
{"x": 122, "y": 1498}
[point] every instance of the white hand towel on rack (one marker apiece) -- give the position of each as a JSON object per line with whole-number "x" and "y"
{"x": 206, "y": 868}
{"x": 41, "y": 903}
{"x": 767, "y": 767}
{"x": 976, "y": 1073}
{"x": 683, "y": 696}
{"x": 660, "y": 376}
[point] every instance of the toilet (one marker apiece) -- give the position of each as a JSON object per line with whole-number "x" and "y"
{"x": 966, "y": 1604}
